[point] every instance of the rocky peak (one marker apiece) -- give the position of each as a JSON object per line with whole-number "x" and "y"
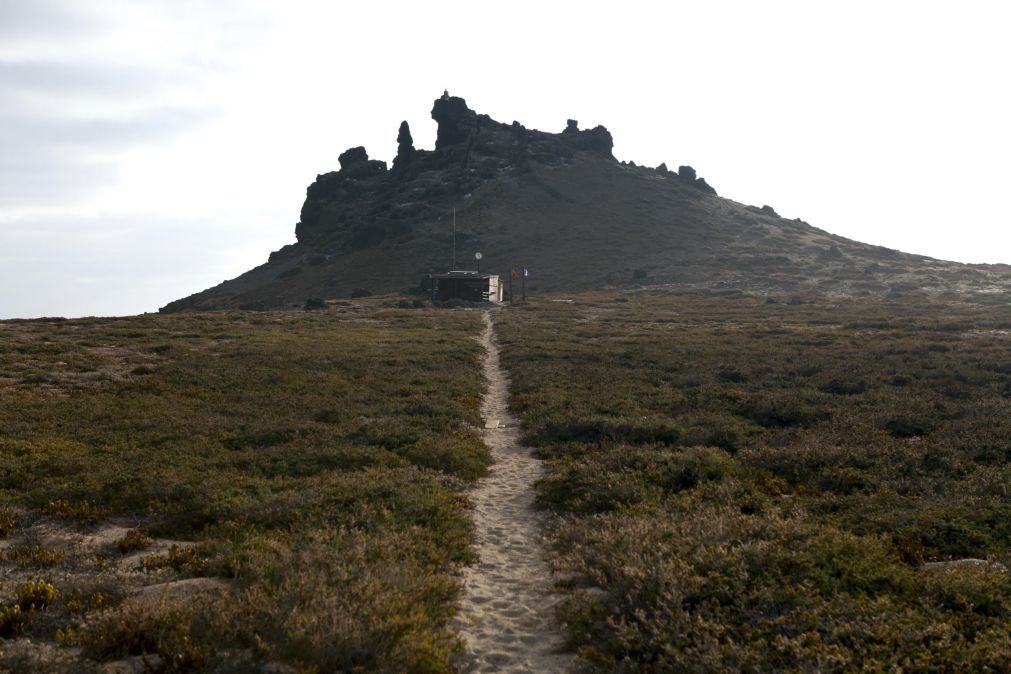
{"x": 598, "y": 140}
{"x": 456, "y": 121}
{"x": 353, "y": 156}
{"x": 363, "y": 204}
{"x": 687, "y": 174}
{"x": 405, "y": 146}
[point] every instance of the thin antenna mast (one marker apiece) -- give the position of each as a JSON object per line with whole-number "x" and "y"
{"x": 454, "y": 239}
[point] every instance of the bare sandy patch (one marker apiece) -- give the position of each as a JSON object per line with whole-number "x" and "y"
{"x": 178, "y": 591}
{"x": 90, "y": 558}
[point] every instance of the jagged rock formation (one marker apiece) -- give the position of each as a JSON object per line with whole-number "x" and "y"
{"x": 363, "y": 204}
{"x": 561, "y": 204}
{"x": 405, "y": 147}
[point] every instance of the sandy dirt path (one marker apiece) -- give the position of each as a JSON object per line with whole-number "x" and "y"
{"x": 507, "y": 611}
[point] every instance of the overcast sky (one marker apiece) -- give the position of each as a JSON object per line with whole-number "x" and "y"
{"x": 149, "y": 150}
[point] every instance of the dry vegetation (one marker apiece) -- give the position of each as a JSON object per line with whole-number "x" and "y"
{"x": 752, "y": 486}
{"x": 743, "y": 485}
{"x": 234, "y": 492}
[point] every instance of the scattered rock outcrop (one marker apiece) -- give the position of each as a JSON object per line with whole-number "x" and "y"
{"x": 688, "y": 176}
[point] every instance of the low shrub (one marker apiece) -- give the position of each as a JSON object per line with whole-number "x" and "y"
{"x": 731, "y": 375}
{"x": 36, "y": 594}
{"x": 771, "y": 412}
{"x": 847, "y": 388}
{"x": 83, "y": 510}
{"x": 32, "y": 556}
{"x": 615, "y": 476}
{"x": 909, "y": 427}
{"x": 9, "y": 520}
{"x": 601, "y": 430}
{"x": 190, "y": 561}
{"x": 133, "y": 540}
{"x": 172, "y": 638}
{"x": 314, "y": 304}
{"x": 11, "y": 620}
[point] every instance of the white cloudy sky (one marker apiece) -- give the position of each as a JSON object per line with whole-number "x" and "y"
{"x": 151, "y": 149}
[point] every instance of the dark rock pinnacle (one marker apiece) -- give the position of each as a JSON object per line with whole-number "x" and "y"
{"x": 405, "y": 147}
{"x": 456, "y": 121}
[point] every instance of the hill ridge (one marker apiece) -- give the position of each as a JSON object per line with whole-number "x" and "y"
{"x": 562, "y": 205}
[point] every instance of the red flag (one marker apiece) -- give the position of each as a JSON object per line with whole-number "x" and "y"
{"x": 515, "y": 275}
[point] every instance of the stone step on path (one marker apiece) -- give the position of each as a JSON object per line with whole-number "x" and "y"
{"x": 506, "y": 615}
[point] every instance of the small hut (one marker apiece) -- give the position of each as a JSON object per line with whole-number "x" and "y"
{"x": 471, "y": 286}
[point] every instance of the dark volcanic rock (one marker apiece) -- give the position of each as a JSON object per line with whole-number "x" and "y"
{"x": 704, "y": 186}
{"x": 353, "y": 208}
{"x": 456, "y": 121}
{"x": 405, "y": 147}
{"x": 688, "y": 175}
{"x": 598, "y": 140}
{"x": 352, "y": 157}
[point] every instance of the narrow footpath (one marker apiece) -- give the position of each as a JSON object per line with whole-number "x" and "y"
{"x": 507, "y": 611}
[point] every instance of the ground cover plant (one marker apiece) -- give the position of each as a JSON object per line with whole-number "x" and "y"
{"x": 756, "y": 484}
{"x": 232, "y": 491}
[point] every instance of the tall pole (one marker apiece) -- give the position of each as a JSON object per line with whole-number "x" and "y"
{"x": 523, "y": 283}
{"x": 454, "y": 239}
{"x": 512, "y": 272}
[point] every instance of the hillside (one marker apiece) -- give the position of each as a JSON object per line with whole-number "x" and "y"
{"x": 561, "y": 205}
